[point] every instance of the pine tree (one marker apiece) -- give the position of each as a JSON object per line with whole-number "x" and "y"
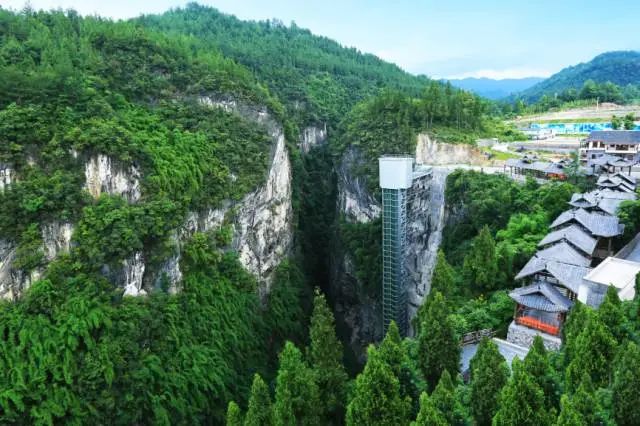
{"x": 444, "y": 398}
{"x": 593, "y": 352}
{"x": 572, "y": 327}
{"x": 297, "y": 396}
{"x": 325, "y": 356}
{"x": 536, "y": 363}
{"x": 429, "y": 415}
{"x": 438, "y": 347}
{"x": 259, "y": 410}
{"x": 480, "y": 266}
{"x": 443, "y": 279}
{"x": 626, "y": 398}
{"x": 569, "y": 416}
{"x": 522, "y": 401}
{"x": 585, "y": 402}
{"x": 234, "y": 415}
{"x": 376, "y": 396}
{"x": 394, "y": 354}
{"x": 611, "y": 314}
{"x": 489, "y": 374}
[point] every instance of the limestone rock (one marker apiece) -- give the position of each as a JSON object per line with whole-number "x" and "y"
{"x": 103, "y": 175}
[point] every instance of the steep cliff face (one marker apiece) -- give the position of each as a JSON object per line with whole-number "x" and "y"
{"x": 261, "y": 221}
{"x": 103, "y": 175}
{"x": 56, "y": 239}
{"x": 311, "y": 137}
{"x": 354, "y": 200}
{"x": 430, "y": 151}
{"x": 6, "y": 175}
{"x": 426, "y": 219}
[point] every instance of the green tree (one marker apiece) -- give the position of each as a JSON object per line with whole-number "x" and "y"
{"x": 297, "y": 398}
{"x": 376, "y": 396}
{"x": 522, "y": 401}
{"x": 489, "y": 374}
{"x": 612, "y": 314}
{"x": 438, "y": 346}
{"x": 394, "y": 354}
{"x": 569, "y": 416}
{"x": 444, "y": 398}
{"x": 259, "y": 410}
{"x": 616, "y": 122}
{"x": 629, "y": 121}
{"x": 585, "y": 402}
{"x": 429, "y": 415}
{"x": 234, "y": 415}
{"x": 443, "y": 279}
{"x": 536, "y": 363}
{"x": 592, "y": 353}
{"x": 325, "y": 357}
{"x": 480, "y": 267}
{"x": 626, "y": 382}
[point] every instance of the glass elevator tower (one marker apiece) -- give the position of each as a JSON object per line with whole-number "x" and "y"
{"x": 395, "y": 180}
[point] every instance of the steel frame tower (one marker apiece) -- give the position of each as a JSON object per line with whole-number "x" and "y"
{"x": 395, "y": 180}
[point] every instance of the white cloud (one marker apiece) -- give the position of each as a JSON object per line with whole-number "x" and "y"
{"x": 521, "y": 72}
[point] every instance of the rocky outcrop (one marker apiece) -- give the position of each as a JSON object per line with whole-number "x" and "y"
{"x": 355, "y": 202}
{"x": 425, "y": 223}
{"x": 429, "y": 151}
{"x": 132, "y": 275}
{"x": 6, "y": 176}
{"x": 56, "y": 238}
{"x": 104, "y": 175}
{"x": 261, "y": 221}
{"x": 312, "y": 137}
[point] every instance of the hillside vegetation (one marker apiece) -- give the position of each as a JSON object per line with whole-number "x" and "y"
{"x": 619, "y": 68}
{"x": 72, "y": 349}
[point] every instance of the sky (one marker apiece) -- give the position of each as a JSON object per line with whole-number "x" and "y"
{"x": 441, "y": 39}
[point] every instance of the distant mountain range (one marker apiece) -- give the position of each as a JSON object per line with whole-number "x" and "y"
{"x": 496, "y": 89}
{"x": 621, "y": 68}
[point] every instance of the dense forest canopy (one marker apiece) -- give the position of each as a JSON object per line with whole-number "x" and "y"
{"x": 619, "y": 68}
{"x": 315, "y": 77}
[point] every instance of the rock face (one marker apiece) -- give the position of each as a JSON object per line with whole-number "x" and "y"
{"x": 6, "y": 176}
{"x": 429, "y": 151}
{"x": 262, "y": 220}
{"x": 311, "y": 137}
{"x": 425, "y": 223}
{"x": 132, "y": 275}
{"x": 103, "y": 175}
{"x": 56, "y": 239}
{"x": 354, "y": 200}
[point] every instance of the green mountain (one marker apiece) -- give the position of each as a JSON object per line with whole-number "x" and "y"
{"x": 316, "y": 78}
{"x": 620, "y": 68}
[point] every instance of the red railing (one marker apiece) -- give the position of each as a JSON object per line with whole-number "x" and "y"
{"x": 538, "y": 325}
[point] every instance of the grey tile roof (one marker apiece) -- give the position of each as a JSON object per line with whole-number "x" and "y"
{"x": 615, "y": 182}
{"x": 597, "y": 224}
{"x": 565, "y": 253}
{"x": 532, "y": 163}
{"x": 583, "y": 200}
{"x": 631, "y": 179}
{"x": 542, "y": 296}
{"x": 569, "y": 276}
{"x": 574, "y": 235}
{"x": 615, "y": 136}
{"x": 608, "y": 193}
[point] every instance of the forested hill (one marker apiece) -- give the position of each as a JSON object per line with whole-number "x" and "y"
{"x": 620, "y": 68}
{"x": 316, "y": 78}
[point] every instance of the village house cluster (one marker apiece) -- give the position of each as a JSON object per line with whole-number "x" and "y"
{"x": 575, "y": 261}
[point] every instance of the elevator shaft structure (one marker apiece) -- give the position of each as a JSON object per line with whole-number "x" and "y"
{"x": 396, "y": 176}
